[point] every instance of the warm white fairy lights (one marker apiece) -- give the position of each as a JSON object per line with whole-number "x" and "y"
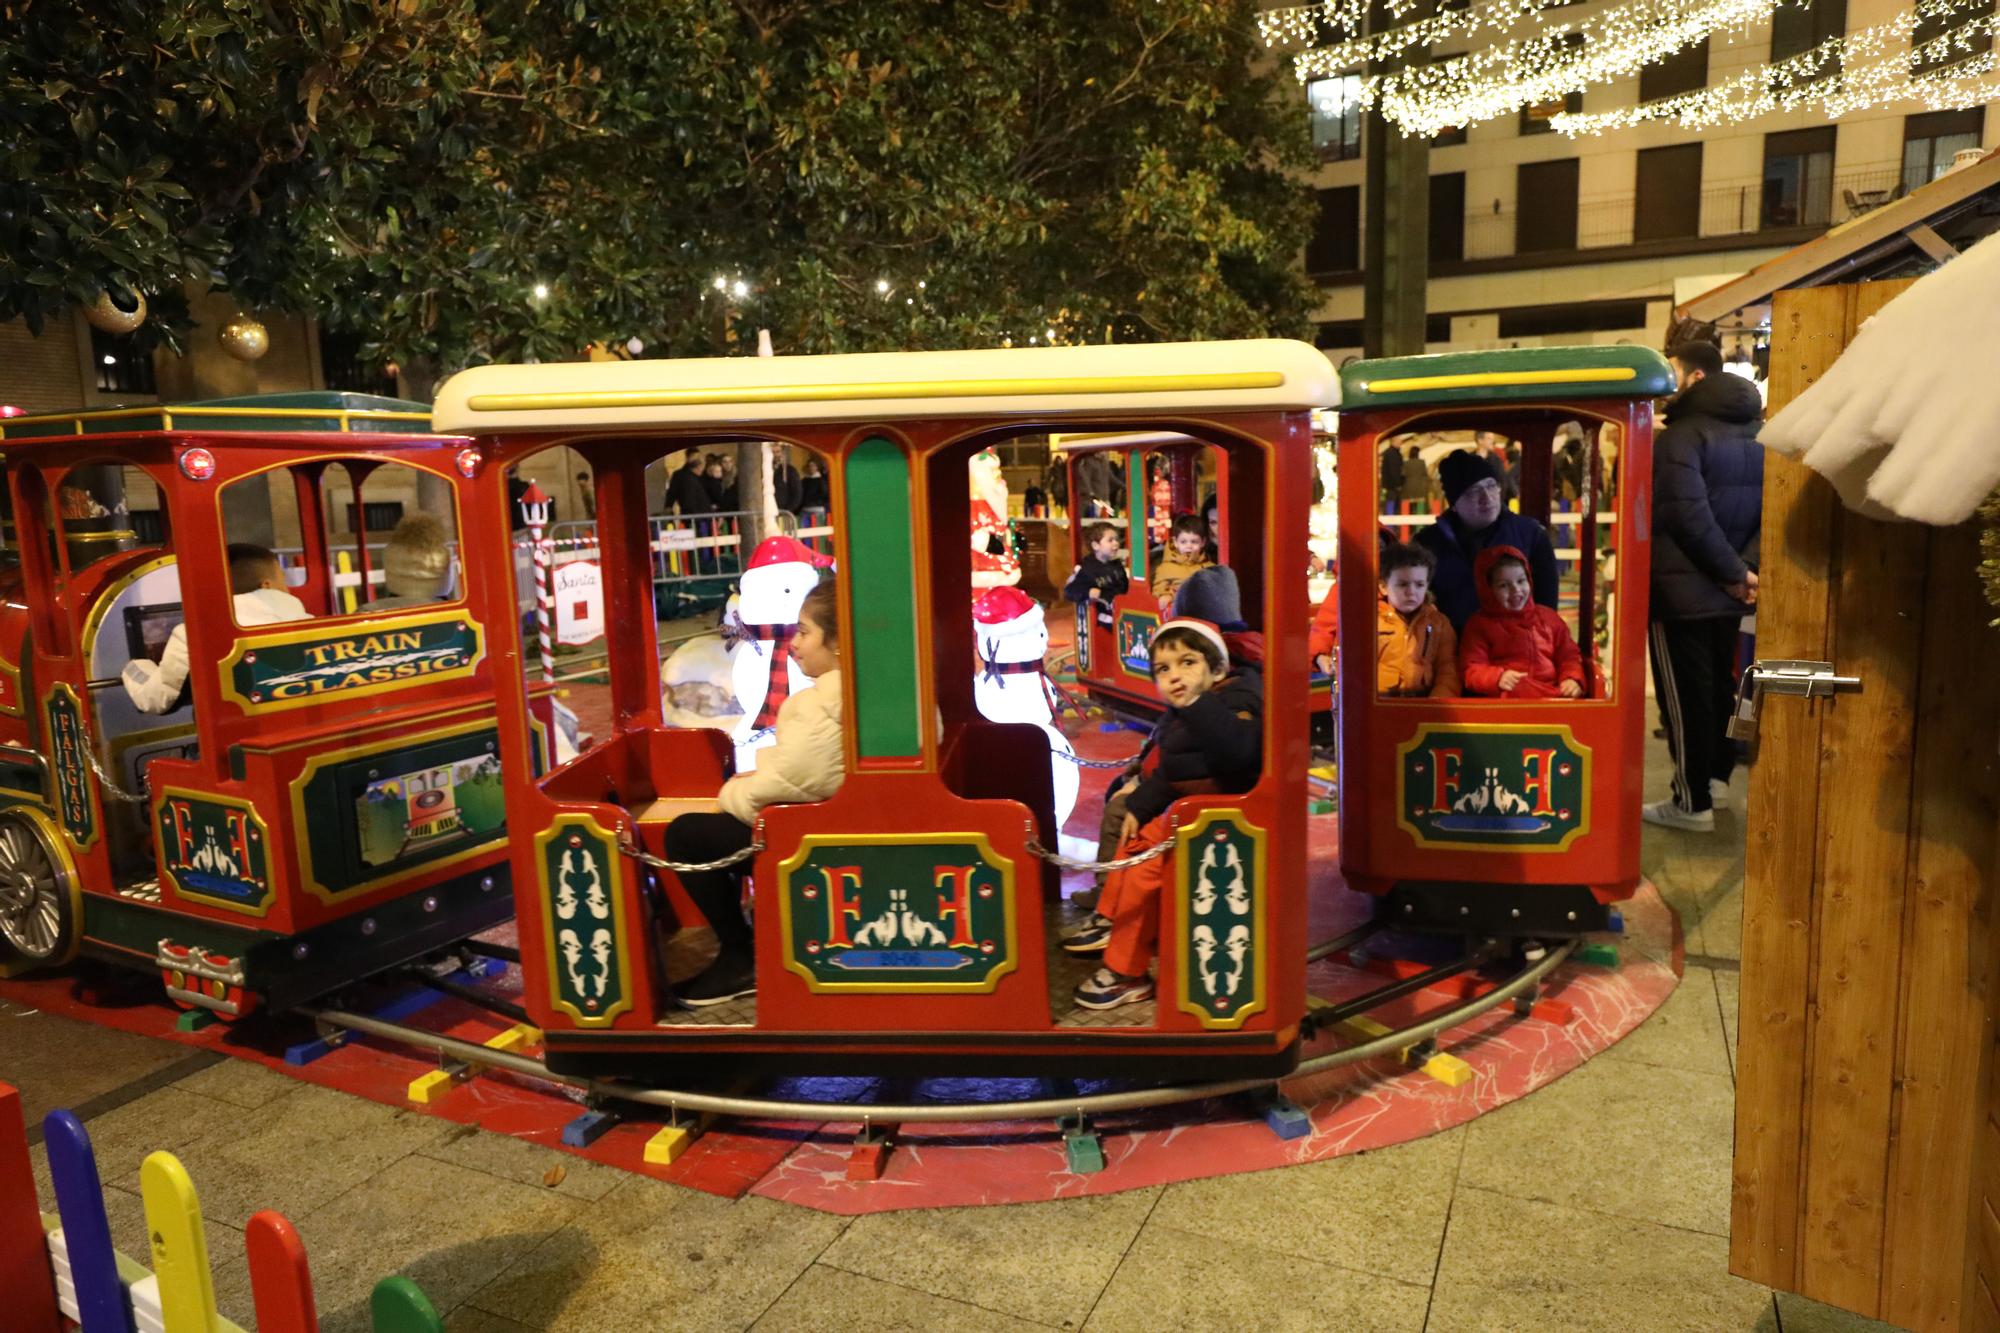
{"x": 1868, "y": 67}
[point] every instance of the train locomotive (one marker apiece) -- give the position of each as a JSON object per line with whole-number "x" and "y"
{"x": 323, "y": 801}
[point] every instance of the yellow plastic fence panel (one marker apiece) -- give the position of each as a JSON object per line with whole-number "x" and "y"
{"x": 180, "y": 1250}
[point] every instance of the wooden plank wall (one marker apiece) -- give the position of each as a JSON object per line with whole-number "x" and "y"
{"x": 1866, "y": 1039}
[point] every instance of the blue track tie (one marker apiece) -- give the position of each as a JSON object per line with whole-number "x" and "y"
{"x": 588, "y": 1128}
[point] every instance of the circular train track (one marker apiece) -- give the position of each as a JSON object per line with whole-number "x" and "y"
{"x": 1522, "y": 983}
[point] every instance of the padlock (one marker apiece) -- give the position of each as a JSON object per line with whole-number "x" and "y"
{"x": 1743, "y": 718}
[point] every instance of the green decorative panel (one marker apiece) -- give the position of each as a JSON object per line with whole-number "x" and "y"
{"x": 586, "y": 938}
{"x": 1507, "y": 375}
{"x": 308, "y": 666}
{"x": 1084, "y": 612}
{"x": 1136, "y": 540}
{"x": 882, "y": 582}
{"x": 69, "y": 766}
{"x": 884, "y": 912}
{"x": 371, "y": 814}
{"x": 1493, "y": 787}
{"x": 1219, "y": 877}
{"x": 1135, "y": 642}
{"x": 213, "y": 850}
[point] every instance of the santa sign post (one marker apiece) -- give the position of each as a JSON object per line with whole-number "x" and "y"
{"x": 535, "y": 505}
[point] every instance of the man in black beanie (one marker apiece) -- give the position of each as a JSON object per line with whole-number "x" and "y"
{"x": 1478, "y": 518}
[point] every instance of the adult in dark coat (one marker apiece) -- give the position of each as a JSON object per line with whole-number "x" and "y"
{"x": 1476, "y": 519}
{"x": 1708, "y": 505}
{"x": 812, "y": 486}
{"x": 1392, "y": 473}
{"x": 687, "y": 489}
{"x": 786, "y": 484}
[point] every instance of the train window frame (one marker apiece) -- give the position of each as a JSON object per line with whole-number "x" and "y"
{"x": 60, "y": 523}
{"x": 312, "y": 472}
{"x": 1427, "y": 421}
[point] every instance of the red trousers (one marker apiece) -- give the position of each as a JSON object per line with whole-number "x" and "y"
{"x": 1131, "y": 899}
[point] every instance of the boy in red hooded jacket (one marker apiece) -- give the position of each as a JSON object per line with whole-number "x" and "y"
{"x": 1513, "y": 646}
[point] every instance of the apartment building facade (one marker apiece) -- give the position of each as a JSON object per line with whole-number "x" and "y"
{"x": 1536, "y": 237}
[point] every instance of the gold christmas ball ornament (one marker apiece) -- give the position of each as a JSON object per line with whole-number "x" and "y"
{"x": 105, "y": 313}
{"x": 244, "y": 338}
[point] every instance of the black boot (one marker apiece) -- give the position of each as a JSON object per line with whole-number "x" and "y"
{"x": 731, "y": 976}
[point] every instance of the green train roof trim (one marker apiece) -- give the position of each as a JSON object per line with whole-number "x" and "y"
{"x": 1510, "y": 375}
{"x": 263, "y": 413}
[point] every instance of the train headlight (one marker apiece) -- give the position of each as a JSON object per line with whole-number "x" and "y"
{"x": 197, "y": 464}
{"x": 468, "y": 461}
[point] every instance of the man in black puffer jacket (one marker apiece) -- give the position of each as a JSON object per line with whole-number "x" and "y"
{"x": 1708, "y": 504}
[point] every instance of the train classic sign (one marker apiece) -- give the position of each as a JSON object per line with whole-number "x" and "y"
{"x": 888, "y": 912}
{"x": 1481, "y": 787}
{"x": 309, "y": 666}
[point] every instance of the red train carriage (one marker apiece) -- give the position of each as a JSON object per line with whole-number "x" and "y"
{"x": 323, "y": 800}
{"x": 1112, "y": 661}
{"x": 901, "y": 922}
{"x": 1484, "y": 814}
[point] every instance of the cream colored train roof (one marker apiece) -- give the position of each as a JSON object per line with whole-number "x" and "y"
{"x": 1054, "y": 382}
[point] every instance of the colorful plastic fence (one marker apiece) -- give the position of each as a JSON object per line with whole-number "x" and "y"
{"x": 52, "y": 1267}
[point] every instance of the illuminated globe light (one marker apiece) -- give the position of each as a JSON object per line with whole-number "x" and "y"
{"x": 541, "y": 291}
{"x": 634, "y": 346}
{"x": 741, "y": 288}
{"x": 467, "y": 462}
{"x": 197, "y": 464}
{"x": 1010, "y": 641}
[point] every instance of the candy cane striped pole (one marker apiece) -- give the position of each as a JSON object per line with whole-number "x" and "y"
{"x": 535, "y": 507}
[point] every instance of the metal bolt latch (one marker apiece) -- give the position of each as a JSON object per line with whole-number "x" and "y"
{"x": 1783, "y": 675}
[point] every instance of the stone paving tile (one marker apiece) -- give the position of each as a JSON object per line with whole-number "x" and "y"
{"x": 1041, "y": 1261}
{"x": 447, "y": 1228}
{"x": 167, "y": 1120}
{"x": 1683, "y": 1033}
{"x": 654, "y": 1256}
{"x": 242, "y": 1083}
{"x": 471, "y": 1319}
{"x": 1378, "y": 1212}
{"x": 1174, "y": 1280}
{"x": 1729, "y": 994}
{"x": 58, "y": 1061}
{"x": 1511, "y": 1264}
{"x": 830, "y": 1300}
{"x": 126, "y": 1212}
{"x": 298, "y": 1151}
{"x": 525, "y": 1163}
{"x": 1615, "y": 1137}
{"x": 1796, "y": 1314}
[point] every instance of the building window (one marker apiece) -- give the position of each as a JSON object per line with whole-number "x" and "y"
{"x": 1336, "y": 244}
{"x": 1932, "y": 25}
{"x": 122, "y": 366}
{"x": 1685, "y": 71}
{"x": 344, "y": 368}
{"x": 1537, "y": 119}
{"x": 1545, "y": 206}
{"x": 1666, "y": 204}
{"x": 1796, "y": 29}
{"x": 1448, "y": 218}
{"x": 1798, "y": 178}
{"x": 1336, "y": 116}
{"x": 1931, "y": 141}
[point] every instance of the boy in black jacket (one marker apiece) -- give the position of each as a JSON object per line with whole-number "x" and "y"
{"x": 1102, "y": 574}
{"x": 1211, "y": 740}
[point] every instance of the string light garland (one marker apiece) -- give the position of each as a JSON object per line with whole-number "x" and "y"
{"x": 1868, "y": 67}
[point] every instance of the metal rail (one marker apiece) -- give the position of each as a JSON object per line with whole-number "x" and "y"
{"x": 1047, "y": 1108}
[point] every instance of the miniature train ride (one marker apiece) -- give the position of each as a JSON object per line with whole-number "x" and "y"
{"x": 904, "y": 922}
{"x": 323, "y": 801}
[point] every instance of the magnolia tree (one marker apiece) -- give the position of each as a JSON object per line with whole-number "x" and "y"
{"x": 461, "y": 182}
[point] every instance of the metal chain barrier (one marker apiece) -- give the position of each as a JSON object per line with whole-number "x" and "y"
{"x": 1061, "y": 862}
{"x": 116, "y": 792}
{"x": 639, "y": 853}
{"x": 1081, "y": 762}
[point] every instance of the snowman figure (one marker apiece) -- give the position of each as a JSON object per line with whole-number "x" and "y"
{"x": 1011, "y": 640}
{"x": 782, "y": 571}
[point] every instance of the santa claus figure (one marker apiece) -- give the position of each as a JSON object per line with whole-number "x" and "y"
{"x": 1012, "y": 639}
{"x": 782, "y": 571}
{"x": 994, "y": 563}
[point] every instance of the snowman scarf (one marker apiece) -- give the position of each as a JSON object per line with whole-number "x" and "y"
{"x": 997, "y": 671}
{"x": 778, "y": 675}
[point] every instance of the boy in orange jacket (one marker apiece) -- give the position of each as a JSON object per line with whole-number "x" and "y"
{"x": 1416, "y": 653}
{"x": 1513, "y": 646}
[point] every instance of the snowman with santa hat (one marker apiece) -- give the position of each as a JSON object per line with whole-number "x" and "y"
{"x": 760, "y": 629}
{"x": 1012, "y": 639}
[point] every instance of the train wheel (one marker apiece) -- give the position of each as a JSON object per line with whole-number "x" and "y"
{"x": 39, "y": 913}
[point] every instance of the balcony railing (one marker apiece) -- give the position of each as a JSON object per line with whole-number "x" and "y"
{"x": 1725, "y": 208}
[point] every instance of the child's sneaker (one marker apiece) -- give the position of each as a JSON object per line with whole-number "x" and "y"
{"x": 1095, "y": 934}
{"x": 1668, "y": 815}
{"x": 730, "y": 977}
{"x": 1107, "y": 990}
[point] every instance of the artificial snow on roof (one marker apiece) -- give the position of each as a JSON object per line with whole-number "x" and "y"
{"x": 1906, "y": 423}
